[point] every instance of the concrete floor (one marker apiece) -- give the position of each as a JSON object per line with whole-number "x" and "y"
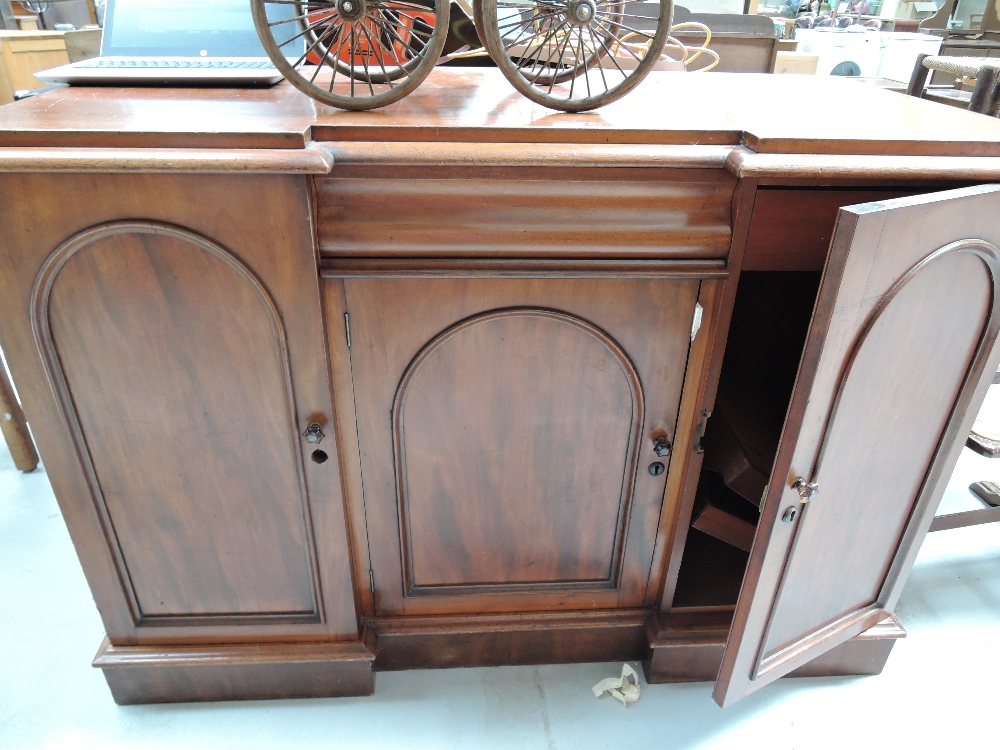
{"x": 937, "y": 690}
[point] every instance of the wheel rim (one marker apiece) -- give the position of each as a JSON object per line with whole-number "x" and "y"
{"x": 353, "y": 54}
{"x": 575, "y": 55}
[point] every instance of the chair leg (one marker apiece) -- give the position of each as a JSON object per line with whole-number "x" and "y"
{"x": 15, "y": 428}
{"x": 918, "y": 79}
{"x": 983, "y": 93}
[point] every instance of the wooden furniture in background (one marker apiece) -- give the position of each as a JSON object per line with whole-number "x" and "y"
{"x": 985, "y": 96}
{"x": 14, "y": 428}
{"x": 83, "y": 44}
{"x": 796, "y": 62}
{"x": 745, "y": 43}
{"x": 24, "y": 53}
{"x": 7, "y": 20}
{"x": 447, "y": 394}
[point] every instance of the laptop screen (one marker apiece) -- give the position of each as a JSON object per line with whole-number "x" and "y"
{"x": 189, "y": 28}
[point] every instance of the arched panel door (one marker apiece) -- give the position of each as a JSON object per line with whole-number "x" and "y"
{"x": 170, "y": 364}
{"x": 507, "y": 431}
{"x": 904, "y": 329}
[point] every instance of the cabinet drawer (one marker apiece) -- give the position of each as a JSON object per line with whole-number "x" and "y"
{"x": 683, "y": 213}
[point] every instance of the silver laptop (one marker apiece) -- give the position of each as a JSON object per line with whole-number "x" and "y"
{"x": 175, "y": 42}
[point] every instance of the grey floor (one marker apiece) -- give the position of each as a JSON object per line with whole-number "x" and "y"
{"x": 938, "y": 690}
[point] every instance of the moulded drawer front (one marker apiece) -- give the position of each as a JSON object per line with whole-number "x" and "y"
{"x": 684, "y": 213}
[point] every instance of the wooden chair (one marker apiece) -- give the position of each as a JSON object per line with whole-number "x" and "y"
{"x": 986, "y": 442}
{"x": 14, "y": 426}
{"x": 985, "y": 97}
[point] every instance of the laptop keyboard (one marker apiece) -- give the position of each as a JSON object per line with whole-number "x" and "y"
{"x": 177, "y": 64}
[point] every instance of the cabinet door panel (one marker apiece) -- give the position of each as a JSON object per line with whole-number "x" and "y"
{"x": 904, "y": 329}
{"x": 189, "y": 434}
{"x": 506, "y": 428}
{"x": 509, "y": 385}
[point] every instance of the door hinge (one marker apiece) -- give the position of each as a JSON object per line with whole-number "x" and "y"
{"x": 699, "y": 431}
{"x": 371, "y": 579}
{"x": 347, "y": 327}
{"x": 699, "y": 312}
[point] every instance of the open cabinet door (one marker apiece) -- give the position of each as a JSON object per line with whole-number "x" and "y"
{"x": 904, "y": 328}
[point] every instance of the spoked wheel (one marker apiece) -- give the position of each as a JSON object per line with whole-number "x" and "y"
{"x": 575, "y": 55}
{"x": 353, "y": 54}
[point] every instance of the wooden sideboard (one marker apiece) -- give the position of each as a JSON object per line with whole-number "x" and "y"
{"x": 322, "y": 393}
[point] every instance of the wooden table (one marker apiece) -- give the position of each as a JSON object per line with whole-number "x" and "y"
{"x": 445, "y": 384}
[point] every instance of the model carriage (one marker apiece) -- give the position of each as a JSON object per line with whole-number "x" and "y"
{"x": 570, "y": 55}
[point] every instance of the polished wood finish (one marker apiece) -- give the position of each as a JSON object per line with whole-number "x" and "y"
{"x": 96, "y": 300}
{"x": 534, "y": 156}
{"x": 689, "y": 648}
{"x": 893, "y": 267}
{"x": 477, "y": 105}
{"x": 791, "y": 228}
{"x": 699, "y": 402}
{"x": 314, "y": 159}
{"x": 482, "y": 375}
{"x": 965, "y": 518}
{"x": 197, "y": 519}
{"x": 148, "y": 674}
{"x": 856, "y": 171}
{"x": 679, "y": 213}
{"x": 14, "y": 427}
{"x": 486, "y": 308}
{"x": 496, "y": 640}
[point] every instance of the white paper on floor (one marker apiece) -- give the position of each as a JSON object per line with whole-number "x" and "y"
{"x": 620, "y": 688}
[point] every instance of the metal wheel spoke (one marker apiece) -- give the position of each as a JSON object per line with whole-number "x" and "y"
{"x": 326, "y": 53}
{"x": 384, "y": 54}
{"x": 378, "y": 54}
{"x": 529, "y": 53}
{"x": 561, "y": 53}
{"x": 612, "y": 55}
{"x": 527, "y": 25}
{"x": 310, "y": 48}
{"x": 306, "y": 30}
{"x": 294, "y": 18}
{"x": 364, "y": 59}
{"x": 600, "y": 65}
{"x": 620, "y": 25}
{"x": 392, "y": 47}
{"x": 532, "y": 19}
{"x": 389, "y": 28}
{"x": 554, "y": 47}
{"x": 621, "y": 44}
{"x": 415, "y": 20}
{"x": 336, "y": 57}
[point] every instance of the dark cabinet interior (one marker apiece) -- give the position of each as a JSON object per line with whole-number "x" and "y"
{"x": 768, "y": 331}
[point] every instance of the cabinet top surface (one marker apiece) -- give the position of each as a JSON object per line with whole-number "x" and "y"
{"x": 767, "y": 113}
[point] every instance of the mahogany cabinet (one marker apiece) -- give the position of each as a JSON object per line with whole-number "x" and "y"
{"x": 463, "y": 382}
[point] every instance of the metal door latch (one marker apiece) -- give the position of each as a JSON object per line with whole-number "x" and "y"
{"x": 314, "y": 433}
{"x": 807, "y": 490}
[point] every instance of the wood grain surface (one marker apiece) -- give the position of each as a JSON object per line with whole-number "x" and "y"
{"x": 676, "y": 213}
{"x": 877, "y": 434}
{"x": 196, "y": 519}
{"x": 477, "y": 105}
{"x": 504, "y": 482}
{"x": 314, "y": 159}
